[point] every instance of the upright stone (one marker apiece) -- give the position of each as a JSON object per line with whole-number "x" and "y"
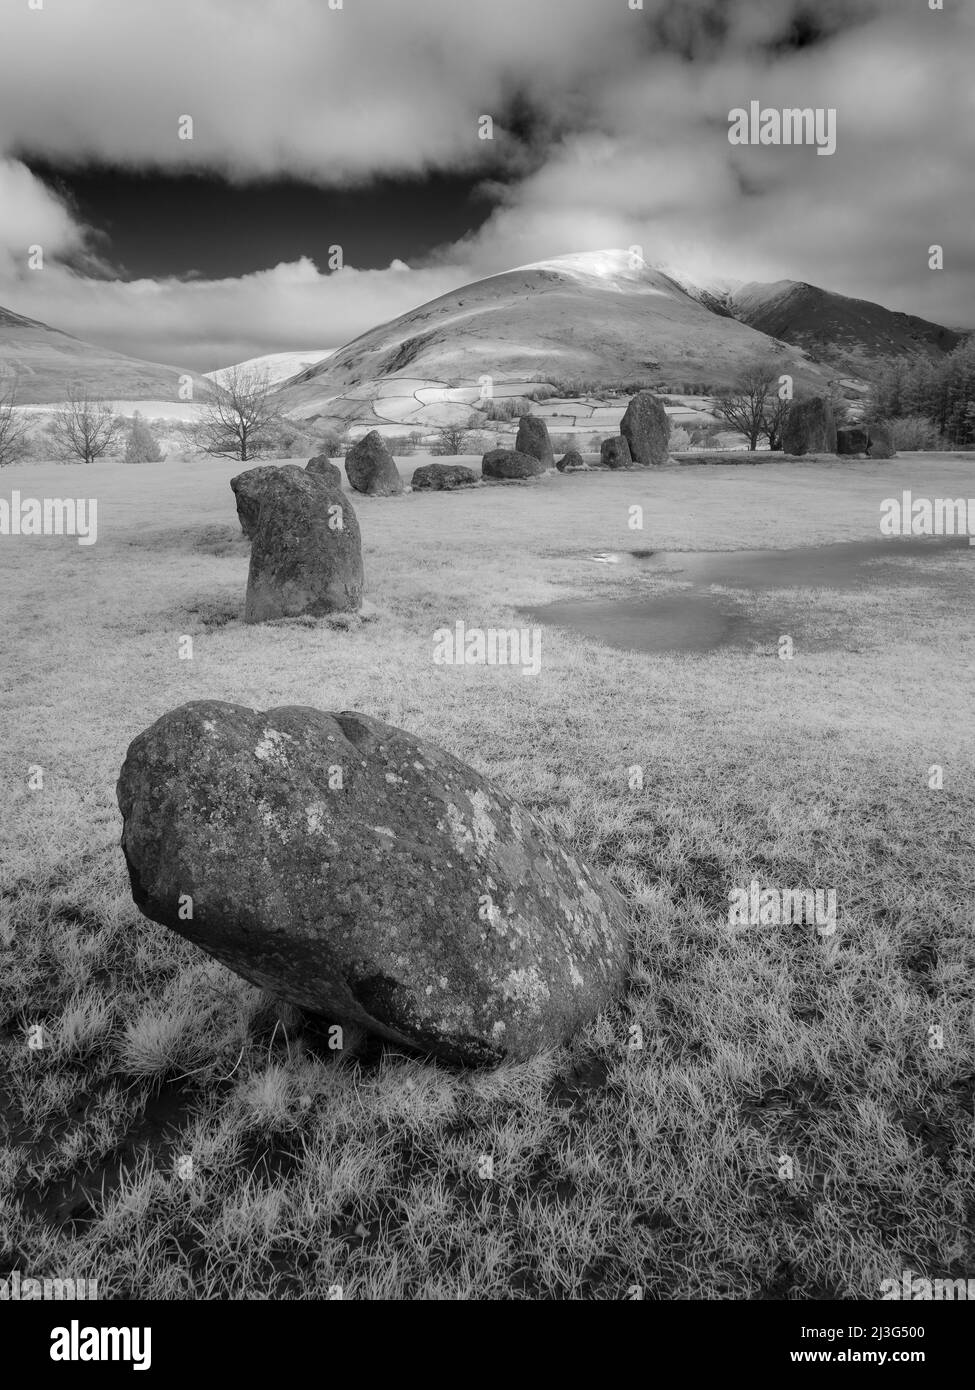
{"x": 323, "y": 467}
{"x": 533, "y": 439}
{"x": 306, "y": 555}
{"x": 851, "y": 440}
{"x": 881, "y": 444}
{"x": 809, "y": 427}
{"x": 614, "y": 452}
{"x": 371, "y": 468}
{"x": 249, "y": 490}
{"x": 646, "y": 428}
{"x": 360, "y": 872}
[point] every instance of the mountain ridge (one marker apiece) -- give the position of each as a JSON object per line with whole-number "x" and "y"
{"x": 46, "y": 361}
{"x": 599, "y": 317}
{"x": 588, "y": 317}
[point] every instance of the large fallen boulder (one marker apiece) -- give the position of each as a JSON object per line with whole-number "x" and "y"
{"x": 306, "y": 553}
{"x": 533, "y": 439}
{"x": 509, "y": 463}
{"x": 323, "y": 467}
{"x": 614, "y": 452}
{"x": 646, "y": 428}
{"x": 371, "y": 468}
{"x": 809, "y": 427}
{"x": 881, "y": 444}
{"x": 443, "y": 477}
{"x": 250, "y": 489}
{"x": 360, "y": 872}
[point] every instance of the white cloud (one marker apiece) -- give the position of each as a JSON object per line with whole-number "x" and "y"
{"x": 380, "y": 86}
{"x": 203, "y": 324}
{"x": 31, "y": 215}
{"x": 661, "y": 174}
{"x": 640, "y": 154}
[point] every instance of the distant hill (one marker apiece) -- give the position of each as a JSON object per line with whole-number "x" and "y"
{"x": 47, "y": 362}
{"x": 591, "y": 320}
{"x": 588, "y": 318}
{"x": 280, "y": 366}
{"x": 828, "y": 325}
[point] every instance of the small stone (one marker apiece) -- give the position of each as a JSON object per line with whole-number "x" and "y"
{"x": 443, "y": 477}
{"x": 306, "y": 553}
{"x": 614, "y": 452}
{"x": 323, "y": 467}
{"x": 809, "y": 427}
{"x": 571, "y": 462}
{"x": 851, "y": 440}
{"x": 509, "y": 463}
{"x": 533, "y": 440}
{"x": 881, "y": 444}
{"x": 646, "y": 428}
{"x": 371, "y": 468}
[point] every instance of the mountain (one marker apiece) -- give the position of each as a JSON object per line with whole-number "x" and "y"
{"x": 47, "y": 362}
{"x": 588, "y": 318}
{"x": 830, "y": 327}
{"x": 280, "y": 366}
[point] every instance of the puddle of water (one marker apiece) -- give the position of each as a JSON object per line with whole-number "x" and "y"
{"x": 838, "y": 566}
{"x": 697, "y": 620}
{"x": 668, "y": 623}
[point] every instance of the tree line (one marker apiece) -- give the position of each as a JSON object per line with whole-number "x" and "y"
{"x": 940, "y": 390}
{"x": 929, "y": 401}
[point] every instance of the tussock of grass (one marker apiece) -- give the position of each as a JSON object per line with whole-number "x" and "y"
{"x": 611, "y": 1165}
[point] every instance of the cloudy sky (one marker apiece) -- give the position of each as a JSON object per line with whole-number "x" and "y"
{"x": 358, "y": 127}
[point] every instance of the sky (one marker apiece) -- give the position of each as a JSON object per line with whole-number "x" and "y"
{"x": 355, "y": 124}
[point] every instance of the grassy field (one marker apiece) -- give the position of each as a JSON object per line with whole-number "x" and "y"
{"x": 613, "y": 1166}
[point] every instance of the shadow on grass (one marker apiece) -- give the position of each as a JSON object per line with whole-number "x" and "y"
{"x": 211, "y": 539}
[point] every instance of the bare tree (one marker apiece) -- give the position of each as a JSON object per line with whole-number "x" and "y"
{"x": 84, "y": 429}
{"x": 237, "y": 415}
{"x": 752, "y": 405}
{"x": 774, "y": 419}
{"x": 13, "y": 426}
{"x": 455, "y": 439}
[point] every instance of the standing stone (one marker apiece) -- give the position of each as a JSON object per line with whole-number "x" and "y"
{"x": 323, "y": 467}
{"x": 306, "y": 555}
{"x": 614, "y": 452}
{"x": 881, "y": 444}
{"x": 509, "y": 463}
{"x": 851, "y": 439}
{"x": 572, "y": 462}
{"x": 646, "y": 429}
{"x": 371, "y": 468}
{"x": 443, "y": 477}
{"x": 249, "y": 489}
{"x": 533, "y": 439}
{"x": 358, "y": 871}
{"x": 809, "y": 427}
